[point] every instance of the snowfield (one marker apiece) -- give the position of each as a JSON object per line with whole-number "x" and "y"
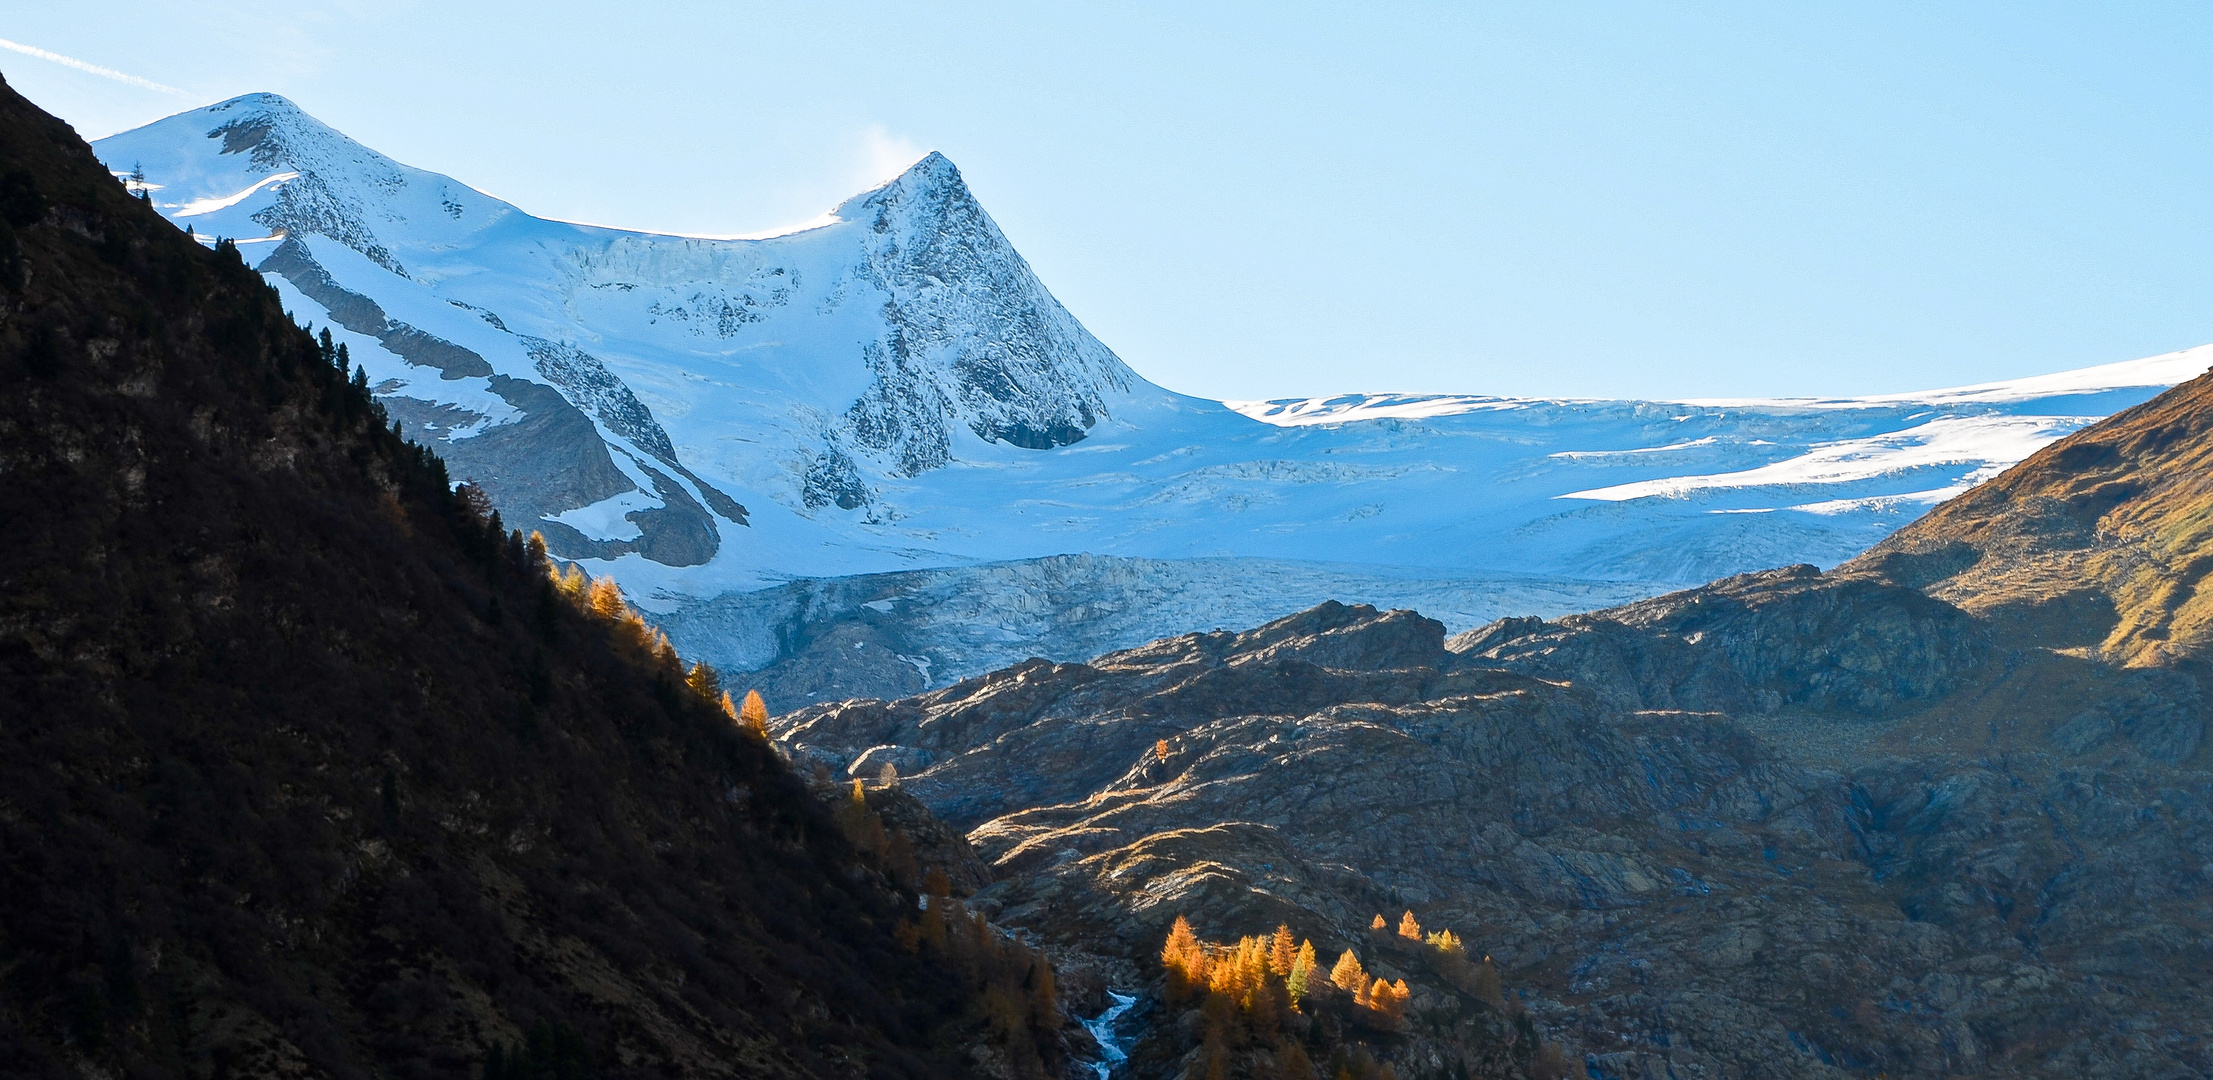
{"x": 894, "y": 390}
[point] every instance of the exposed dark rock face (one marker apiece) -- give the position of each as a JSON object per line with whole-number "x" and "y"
{"x": 1756, "y": 643}
{"x": 311, "y": 205}
{"x": 292, "y": 261}
{"x": 585, "y": 380}
{"x": 553, "y": 459}
{"x": 306, "y": 771}
{"x": 833, "y": 479}
{"x": 1022, "y": 372}
{"x": 678, "y": 533}
{"x": 1679, "y": 893}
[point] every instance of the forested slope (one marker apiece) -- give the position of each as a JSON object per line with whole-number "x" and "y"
{"x": 308, "y": 769}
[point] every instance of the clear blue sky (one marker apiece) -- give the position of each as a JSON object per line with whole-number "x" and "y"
{"x": 1263, "y": 201}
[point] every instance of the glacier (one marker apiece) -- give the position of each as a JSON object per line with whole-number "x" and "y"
{"x": 875, "y": 454}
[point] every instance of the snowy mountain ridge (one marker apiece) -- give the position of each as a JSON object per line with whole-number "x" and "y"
{"x": 893, "y": 390}
{"x": 934, "y": 322}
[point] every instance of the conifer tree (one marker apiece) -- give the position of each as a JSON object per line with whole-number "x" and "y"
{"x": 606, "y": 599}
{"x": 753, "y": 715}
{"x": 704, "y": 681}
{"x": 1044, "y": 997}
{"x": 1224, "y": 976}
{"x": 933, "y": 930}
{"x": 1302, "y": 970}
{"x": 1281, "y": 952}
{"x": 1377, "y": 926}
{"x": 1387, "y": 999}
{"x": 1184, "y": 958}
{"x": 1348, "y": 974}
{"x": 1408, "y": 928}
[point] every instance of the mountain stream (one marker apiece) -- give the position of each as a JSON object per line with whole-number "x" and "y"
{"x": 1112, "y": 1052}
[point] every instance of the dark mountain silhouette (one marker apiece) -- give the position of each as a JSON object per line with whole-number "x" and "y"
{"x": 306, "y": 767}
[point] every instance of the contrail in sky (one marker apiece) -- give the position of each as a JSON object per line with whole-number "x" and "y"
{"x": 90, "y": 69}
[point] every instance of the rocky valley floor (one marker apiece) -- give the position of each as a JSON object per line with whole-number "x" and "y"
{"x": 1772, "y": 827}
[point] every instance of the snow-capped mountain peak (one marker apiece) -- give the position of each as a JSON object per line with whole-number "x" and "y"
{"x": 895, "y": 389}
{"x": 934, "y": 178}
{"x": 856, "y": 355}
{"x": 259, "y": 168}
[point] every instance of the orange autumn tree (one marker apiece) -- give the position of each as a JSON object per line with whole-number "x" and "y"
{"x": 1258, "y": 1015}
{"x": 1388, "y": 1000}
{"x": 753, "y": 715}
{"x": 1184, "y": 958}
{"x": 1348, "y": 975}
{"x": 606, "y": 599}
{"x": 1281, "y": 952}
{"x": 704, "y": 681}
{"x": 1248, "y": 994}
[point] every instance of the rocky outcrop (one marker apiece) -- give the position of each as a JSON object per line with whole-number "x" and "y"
{"x": 551, "y": 458}
{"x": 1756, "y": 643}
{"x": 893, "y": 635}
{"x": 974, "y": 338}
{"x": 1668, "y": 889}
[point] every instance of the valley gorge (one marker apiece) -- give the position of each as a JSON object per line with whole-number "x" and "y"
{"x": 355, "y": 723}
{"x": 1943, "y": 810}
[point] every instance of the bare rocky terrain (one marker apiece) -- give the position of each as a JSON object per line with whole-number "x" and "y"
{"x": 1941, "y": 811}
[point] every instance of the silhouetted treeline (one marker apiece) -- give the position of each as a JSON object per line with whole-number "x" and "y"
{"x": 308, "y": 766}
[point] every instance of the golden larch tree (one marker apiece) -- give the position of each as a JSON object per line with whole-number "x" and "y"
{"x": 1409, "y": 928}
{"x": 1348, "y": 974}
{"x": 1281, "y": 951}
{"x": 1388, "y": 999}
{"x": 704, "y": 681}
{"x": 606, "y": 599}
{"x": 1184, "y": 958}
{"x": 753, "y": 715}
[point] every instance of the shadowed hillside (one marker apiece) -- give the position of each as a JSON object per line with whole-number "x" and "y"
{"x": 307, "y": 769}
